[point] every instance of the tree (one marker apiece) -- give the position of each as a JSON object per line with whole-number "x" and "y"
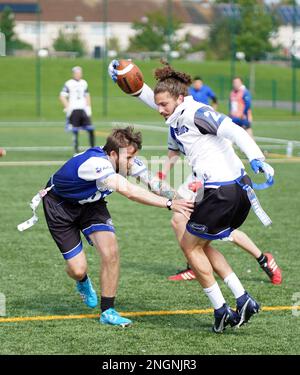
{"x": 256, "y": 28}
{"x": 153, "y": 32}
{"x": 250, "y": 30}
{"x": 287, "y": 2}
{"x": 7, "y": 25}
{"x": 220, "y": 37}
{"x": 69, "y": 43}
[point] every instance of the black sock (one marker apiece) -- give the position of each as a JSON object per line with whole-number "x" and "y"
{"x": 107, "y": 303}
{"x": 92, "y": 138}
{"x": 262, "y": 260}
{"x": 84, "y": 279}
{"x": 75, "y": 142}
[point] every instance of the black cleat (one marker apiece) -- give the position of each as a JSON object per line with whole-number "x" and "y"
{"x": 246, "y": 307}
{"x": 225, "y": 316}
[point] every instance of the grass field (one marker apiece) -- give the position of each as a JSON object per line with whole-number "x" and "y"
{"x": 18, "y": 87}
{"x": 33, "y": 280}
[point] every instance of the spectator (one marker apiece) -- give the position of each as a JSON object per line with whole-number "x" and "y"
{"x": 240, "y": 105}
{"x": 202, "y": 93}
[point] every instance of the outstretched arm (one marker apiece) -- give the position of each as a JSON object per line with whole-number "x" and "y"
{"x": 135, "y": 193}
{"x": 142, "y": 174}
{"x": 147, "y": 96}
{"x": 211, "y": 122}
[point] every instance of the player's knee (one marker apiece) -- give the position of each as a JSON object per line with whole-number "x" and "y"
{"x": 78, "y": 272}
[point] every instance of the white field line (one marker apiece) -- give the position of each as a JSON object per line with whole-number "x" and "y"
{"x": 34, "y": 163}
{"x": 146, "y": 148}
{"x": 65, "y": 148}
{"x": 279, "y": 143}
{"x": 161, "y": 128}
{"x": 41, "y": 163}
{"x": 113, "y": 123}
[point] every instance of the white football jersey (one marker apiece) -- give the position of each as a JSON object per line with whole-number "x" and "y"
{"x": 205, "y": 137}
{"x": 76, "y": 92}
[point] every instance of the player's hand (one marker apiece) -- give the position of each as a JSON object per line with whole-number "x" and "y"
{"x": 112, "y": 71}
{"x": 67, "y": 111}
{"x": 183, "y": 206}
{"x": 263, "y": 167}
{"x": 88, "y": 111}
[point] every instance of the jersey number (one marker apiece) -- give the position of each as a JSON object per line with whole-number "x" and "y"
{"x": 215, "y": 116}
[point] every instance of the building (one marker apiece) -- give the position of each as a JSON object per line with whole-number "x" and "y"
{"x": 86, "y": 17}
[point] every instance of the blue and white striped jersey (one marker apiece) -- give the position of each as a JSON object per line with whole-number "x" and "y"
{"x": 80, "y": 179}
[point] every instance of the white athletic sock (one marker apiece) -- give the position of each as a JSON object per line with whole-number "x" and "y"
{"x": 234, "y": 284}
{"x": 215, "y": 295}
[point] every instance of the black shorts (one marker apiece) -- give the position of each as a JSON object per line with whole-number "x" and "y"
{"x": 65, "y": 220}
{"x": 79, "y": 120}
{"x": 220, "y": 212}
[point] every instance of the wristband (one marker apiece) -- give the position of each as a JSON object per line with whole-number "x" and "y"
{"x": 161, "y": 175}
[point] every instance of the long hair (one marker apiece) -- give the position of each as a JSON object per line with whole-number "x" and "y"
{"x": 171, "y": 81}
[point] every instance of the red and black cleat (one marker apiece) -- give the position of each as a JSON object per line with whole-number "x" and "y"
{"x": 272, "y": 270}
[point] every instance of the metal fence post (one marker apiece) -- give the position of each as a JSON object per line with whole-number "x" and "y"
{"x": 274, "y": 93}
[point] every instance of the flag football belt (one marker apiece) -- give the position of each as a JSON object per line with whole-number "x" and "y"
{"x": 256, "y": 206}
{"x": 35, "y": 201}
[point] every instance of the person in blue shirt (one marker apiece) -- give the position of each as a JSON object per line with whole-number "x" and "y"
{"x": 203, "y": 93}
{"x": 74, "y": 202}
{"x": 240, "y": 105}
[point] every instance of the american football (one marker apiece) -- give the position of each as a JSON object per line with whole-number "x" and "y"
{"x": 130, "y": 78}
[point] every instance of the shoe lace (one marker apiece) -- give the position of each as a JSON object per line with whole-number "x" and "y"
{"x": 85, "y": 291}
{"x": 112, "y": 315}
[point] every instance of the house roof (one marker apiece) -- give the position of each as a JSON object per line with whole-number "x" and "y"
{"x": 93, "y": 10}
{"x": 188, "y": 11}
